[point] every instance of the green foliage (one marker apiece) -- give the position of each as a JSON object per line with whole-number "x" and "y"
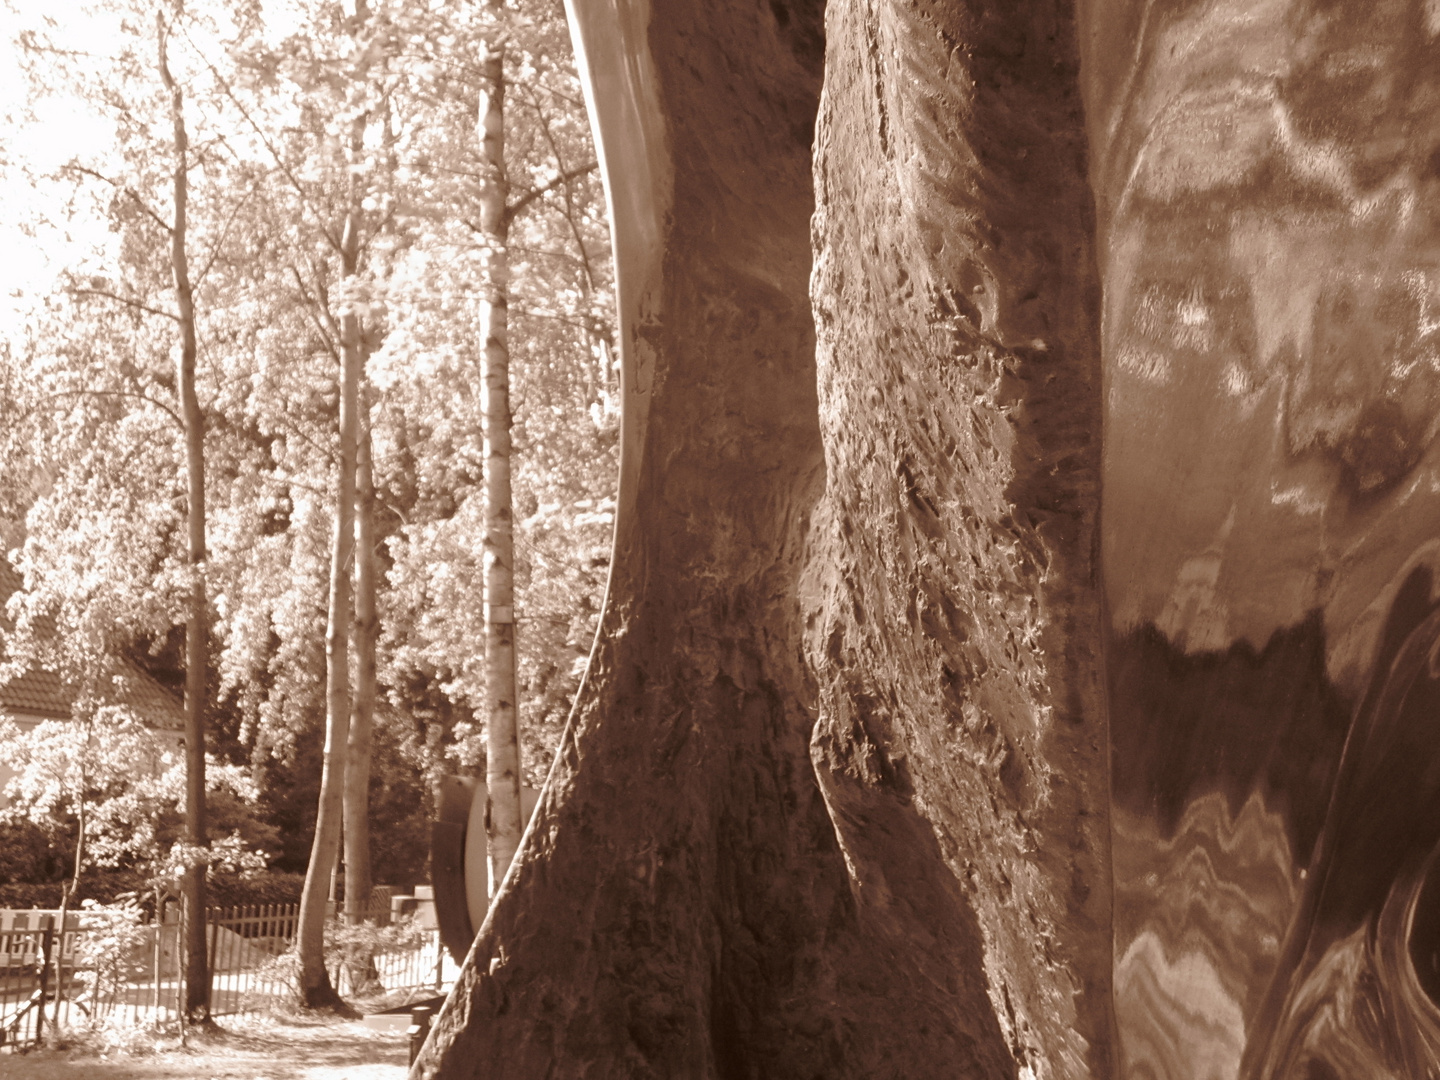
{"x": 400, "y": 807}
{"x": 91, "y": 453}
{"x": 125, "y": 783}
{"x": 400, "y": 801}
{"x": 113, "y": 944}
{"x": 104, "y": 885}
{"x": 108, "y": 886}
{"x": 26, "y": 854}
{"x": 272, "y": 887}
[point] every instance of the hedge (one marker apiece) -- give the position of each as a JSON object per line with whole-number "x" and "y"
{"x": 224, "y": 890}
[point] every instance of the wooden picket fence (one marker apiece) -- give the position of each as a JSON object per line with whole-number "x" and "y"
{"x": 134, "y": 977}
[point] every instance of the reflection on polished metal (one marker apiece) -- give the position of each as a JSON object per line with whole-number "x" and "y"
{"x": 1268, "y": 183}
{"x": 1355, "y": 981}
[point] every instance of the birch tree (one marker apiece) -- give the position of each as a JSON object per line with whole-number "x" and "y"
{"x": 315, "y": 988}
{"x": 502, "y": 759}
{"x": 358, "y": 876}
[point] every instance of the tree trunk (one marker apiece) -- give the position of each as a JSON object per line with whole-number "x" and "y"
{"x": 192, "y": 889}
{"x": 915, "y": 885}
{"x": 957, "y": 626}
{"x": 895, "y": 859}
{"x": 315, "y": 988}
{"x": 358, "y": 881}
{"x": 361, "y": 970}
{"x": 699, "y": 899}
{"x": 502, "y": 745}
{"x": 67, "y": 894}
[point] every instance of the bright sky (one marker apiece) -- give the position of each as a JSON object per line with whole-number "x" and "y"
{"x": 62, "y": 130}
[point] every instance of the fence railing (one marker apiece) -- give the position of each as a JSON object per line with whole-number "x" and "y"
{"x": 116, "y": 970}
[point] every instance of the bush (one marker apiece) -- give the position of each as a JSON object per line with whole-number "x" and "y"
{"x": 104, "y": 886}
{"x": 274, "y": 887}
{"x": 46, "y": 895}
{"x": 25, "y": 853}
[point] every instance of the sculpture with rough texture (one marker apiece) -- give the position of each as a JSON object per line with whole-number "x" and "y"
{"x": 881, "y": 705}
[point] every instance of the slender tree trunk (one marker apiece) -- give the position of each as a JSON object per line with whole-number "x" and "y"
{"x": 358, "y": 873}
{"x": 315, "y": 988}
{"x": 502, "y": 753}
{"x": 67, "y": 894}
{"x": 197, "y": 980}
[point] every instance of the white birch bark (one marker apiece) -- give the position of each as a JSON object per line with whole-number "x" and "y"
{"x": 358, "y": 874}
{"x": 315, "y": 988}
{"x": 502, "y": 769}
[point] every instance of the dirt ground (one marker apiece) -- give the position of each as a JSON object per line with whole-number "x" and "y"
{"x": 239, "y": 1049}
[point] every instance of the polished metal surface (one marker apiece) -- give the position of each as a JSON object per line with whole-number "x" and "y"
{"x": 1269, "y": 187}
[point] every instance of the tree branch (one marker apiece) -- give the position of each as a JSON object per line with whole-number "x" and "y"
{"x": 123, "y": 394}
{"x": 224, "y": 234}
{"x": 569, "y": 202}
{"x": 518, "y": 206}
{"x": 311, "y": 304}
{"x": 151, "y": 214}
{"x": 127, "y": 301}
{"x": 269, "y": 146}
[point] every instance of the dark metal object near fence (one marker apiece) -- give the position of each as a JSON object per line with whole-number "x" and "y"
{"x": 418, "y": 1030}
{"x": 447, "y": 864}
{"x": 27, "y": 956}
{"x": 47, "y": 942}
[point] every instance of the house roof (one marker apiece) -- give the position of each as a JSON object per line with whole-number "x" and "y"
{"x": 40, "y": 692}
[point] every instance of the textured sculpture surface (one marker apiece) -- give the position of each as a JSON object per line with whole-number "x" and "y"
{"x": 898, "y": 758}
{"x": 957, "y": 635}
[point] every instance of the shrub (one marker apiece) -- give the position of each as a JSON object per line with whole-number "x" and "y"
{"x": 234, "y": 890}
{"x": 109, "y": 886}
{"x": 103, "y": 886}
{"x": 25, "y": 853}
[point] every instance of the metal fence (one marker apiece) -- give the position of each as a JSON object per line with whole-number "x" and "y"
{"x": 115, "y": 969}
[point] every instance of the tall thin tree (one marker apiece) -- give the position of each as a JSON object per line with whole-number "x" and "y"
{"x": 197, "y": 981}
{"x": 502, "y": 751}
{"x": 316, "y": 990}
{"x": 358, "y": 875}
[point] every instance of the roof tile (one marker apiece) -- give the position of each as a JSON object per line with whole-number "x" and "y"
{"x": 40, "y": 692}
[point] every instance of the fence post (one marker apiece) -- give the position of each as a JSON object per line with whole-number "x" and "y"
{"x": 159, "y": 956}
{"x": 180, "y": 971}
{"x": 212, "y": 917}
{"x": 47, "y": 941}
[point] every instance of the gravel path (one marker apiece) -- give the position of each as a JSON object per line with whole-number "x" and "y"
{"x": 241, "y": 1049}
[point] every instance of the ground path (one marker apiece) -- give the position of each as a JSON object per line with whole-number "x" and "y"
{"x": 241, "y": 1049}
